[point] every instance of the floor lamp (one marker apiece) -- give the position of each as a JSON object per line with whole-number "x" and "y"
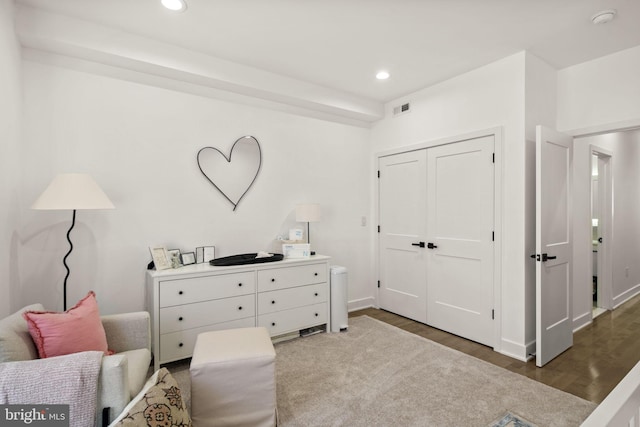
{"x": 72, "y": 191}
{"x": 308, "y": 213}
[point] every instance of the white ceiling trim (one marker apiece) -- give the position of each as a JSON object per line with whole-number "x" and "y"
{"x": 148, "y": 61}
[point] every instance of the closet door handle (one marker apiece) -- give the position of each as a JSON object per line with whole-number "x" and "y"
{"x": 421, "y": 244}
{"x": 431, "y": 245}
{"x": 543, "y": 257}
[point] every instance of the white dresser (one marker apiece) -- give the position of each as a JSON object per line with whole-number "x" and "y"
{"x": 283, "y": 296}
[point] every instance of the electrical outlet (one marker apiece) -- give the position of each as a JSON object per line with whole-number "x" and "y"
{"x": 363, "y": 221}
{"x": 626, "y": 272}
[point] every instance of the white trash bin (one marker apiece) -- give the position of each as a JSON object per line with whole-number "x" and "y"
{"x": 339, "y": 292}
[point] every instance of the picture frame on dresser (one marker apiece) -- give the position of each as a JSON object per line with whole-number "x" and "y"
{"x": 209, "y": 253}
{"x": 188, "y": 258}
{"x": 160, "y": 256}
{"x": 205, "y": 254}
{"x": 174, "y": 256}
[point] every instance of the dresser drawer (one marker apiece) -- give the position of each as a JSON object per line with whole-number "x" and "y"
{"x": 295, "y": 319}
{"x": 284, "y": 299}
{"x": 185, "y": 291}
{"x": 179, "y": 345}
{"x": 270, "y": 280}
{"x": 198, "y": 314}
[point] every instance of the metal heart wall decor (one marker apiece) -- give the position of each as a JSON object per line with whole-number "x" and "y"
{"x": 232, "y": 176}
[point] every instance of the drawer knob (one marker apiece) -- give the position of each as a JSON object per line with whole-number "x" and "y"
{"x": 240, "y": 308}
{"x": 180, "y": 345}
{"x": 316, "y": 314}
{"x": 316, "y": 294}
{"x": 180, "y": 318}
{"x": 273, "y": 302}
{"x": 180, "y": 292}
{"x": 240, "y": 284}
{"x": 273, "y": 280}
{"x": 315, "y": 274}
{"x": 273, "y": 323}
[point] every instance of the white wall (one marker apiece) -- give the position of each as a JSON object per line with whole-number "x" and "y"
{"x": 625, "y": 147}
{"x": 490, "y": 96}
{"x": 600, "y": 92}
{"x": 10, "y": 171}
{"x": 140, "y": 142}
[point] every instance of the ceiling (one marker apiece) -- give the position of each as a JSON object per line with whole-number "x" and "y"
{"x": 341, "y": 44}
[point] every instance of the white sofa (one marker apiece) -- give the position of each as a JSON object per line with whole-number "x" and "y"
{"x": 122, "y": 374}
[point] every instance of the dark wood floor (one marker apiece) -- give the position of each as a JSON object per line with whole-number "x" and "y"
{"x": 602, "y": 352}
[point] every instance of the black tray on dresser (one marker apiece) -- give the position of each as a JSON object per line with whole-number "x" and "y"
{"x": 243, "y": 259}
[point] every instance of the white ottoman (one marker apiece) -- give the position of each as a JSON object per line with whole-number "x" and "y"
{"x": 233, "y": 379}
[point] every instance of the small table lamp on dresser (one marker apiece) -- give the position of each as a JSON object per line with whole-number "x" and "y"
{"x": 309, "y": 212}
{"x": 72, "y": 191}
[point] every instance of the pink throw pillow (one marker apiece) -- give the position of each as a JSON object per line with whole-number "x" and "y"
{"x": 78, "y": 329}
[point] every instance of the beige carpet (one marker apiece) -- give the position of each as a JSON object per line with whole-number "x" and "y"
{"x": 378, "y": 375}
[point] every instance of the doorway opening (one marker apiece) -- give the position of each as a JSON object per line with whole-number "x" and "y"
{"x": 601, "y": 191}
{"x": 595, "y": 235}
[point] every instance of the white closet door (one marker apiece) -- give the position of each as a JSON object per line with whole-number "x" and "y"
{"x": 460, "y": 226}
{"x": 402, "y": 221}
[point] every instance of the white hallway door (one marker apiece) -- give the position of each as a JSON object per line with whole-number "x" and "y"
{"x": 554, "y": 224}
{"x": 436, "y": 236}
{"x": 402, "y": 213}
{"x": 460, "y": 229}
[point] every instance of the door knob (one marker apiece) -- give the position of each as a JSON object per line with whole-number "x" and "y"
{"x": 421, "y": 244}
{"x": 431, "y": 245}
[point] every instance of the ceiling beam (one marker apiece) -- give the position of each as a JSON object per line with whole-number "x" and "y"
{"x": 156, "y": 63}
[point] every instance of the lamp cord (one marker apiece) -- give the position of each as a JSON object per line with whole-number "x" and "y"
{"x": 64, "y": 261}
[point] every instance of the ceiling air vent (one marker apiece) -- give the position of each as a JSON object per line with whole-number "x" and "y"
{"x": 401, "y": 109}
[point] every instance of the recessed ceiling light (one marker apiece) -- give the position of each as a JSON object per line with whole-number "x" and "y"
{"x": 175, "y": 5}
{"x": 383, "y": 75}
{"x": 604, "y": 16}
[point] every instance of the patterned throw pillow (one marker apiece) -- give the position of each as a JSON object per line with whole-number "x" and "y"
{"x": 159, "y": 404}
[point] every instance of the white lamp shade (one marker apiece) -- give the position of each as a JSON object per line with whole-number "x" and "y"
{"x": 309, "y": 212}
{"x": 73, "y": 191}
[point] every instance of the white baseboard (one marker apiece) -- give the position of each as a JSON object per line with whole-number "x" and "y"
{"x": 516, "y": 350}
{"x": 582, "y": 321}
{"x": 360, "y": 304}
{"x": 626, "y": 296}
